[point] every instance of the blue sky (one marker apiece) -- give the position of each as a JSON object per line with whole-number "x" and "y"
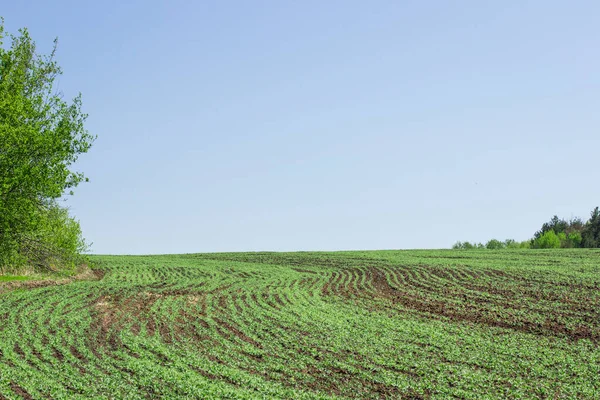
{"x": 312, "y": 125}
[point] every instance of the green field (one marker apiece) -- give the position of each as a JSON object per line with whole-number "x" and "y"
{"x": 374, "y": 324}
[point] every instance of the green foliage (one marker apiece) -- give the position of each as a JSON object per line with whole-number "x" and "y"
{"x": 9, "y": 278}
{"x": 568, "y": 232}
{"x": 494, "y": 244}
{"x": 548, "y": 240}
{"x": 525, "y": 244}
{"x": 556, "y": 224}
{"x": 41, "y": 136}
{"x": 570, "y": 240}
{"x": 57, "y": 241}
{"x": 468, "y": 246}
{"x": 463, "y": 246}
{"x": 574, "y": 240}
{"x": 555, "y": 233}
{"x": 591, "y": 231}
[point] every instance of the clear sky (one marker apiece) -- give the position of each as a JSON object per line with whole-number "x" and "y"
{"x": 326, "y": 125}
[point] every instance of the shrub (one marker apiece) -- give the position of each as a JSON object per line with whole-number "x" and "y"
{"x": 55, "y": 243}
{"x": 548, "y": 240}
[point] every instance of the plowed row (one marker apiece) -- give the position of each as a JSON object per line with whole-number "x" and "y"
{"x": 393, "y": 324}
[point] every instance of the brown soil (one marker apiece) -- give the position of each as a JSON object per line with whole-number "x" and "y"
{"x": 427, "y": 301}
{"x": 20, "y": 391}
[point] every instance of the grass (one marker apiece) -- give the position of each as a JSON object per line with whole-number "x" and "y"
{"x": 380, "y": 324}
{"x": 9, "y": 278}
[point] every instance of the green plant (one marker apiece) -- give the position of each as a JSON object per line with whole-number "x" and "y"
{"x": 556, "y": 224}
{"x": 494, "y": 244}
{"x": 548, "y": 240}
{"x": 591, "y": 231}
{"x": 41, "y": 136}
{"x": 574, "y": 239}
{"x": 57, "y": 241}
{"x": 511, "y": 244}
{"x": 312, "y": 325}
{"x": 525, "y": 244}
{"x": 463, "y": 246}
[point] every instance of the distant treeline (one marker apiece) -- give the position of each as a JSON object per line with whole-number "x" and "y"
{"x": 555, "y": 233}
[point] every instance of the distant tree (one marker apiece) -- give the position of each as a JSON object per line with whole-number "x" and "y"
{"x": 555, "y": 224}
{"x": 564, "y": 242}
{"x": 525, "y": 244}
{"x": 41, "y": 136}
{"x": 463, "y": 246}
{"x": 568, "y": 232}
{"x": 575, "y": 225}
{"x": 591, "y": 231}
{"x": 548, "y": 240}
{"x": 555, "y": 233}
{"x": 574, "y": 239}
{"x": 494, "y": 244}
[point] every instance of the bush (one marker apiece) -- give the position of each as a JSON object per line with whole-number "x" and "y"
{"x": 55, "y": 243}
{"x": 548, "y": 240}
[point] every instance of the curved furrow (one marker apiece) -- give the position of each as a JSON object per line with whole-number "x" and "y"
{"x": 306, "y": 325}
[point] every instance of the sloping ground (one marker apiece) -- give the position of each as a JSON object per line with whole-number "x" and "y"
{"x": 386, "y": 324}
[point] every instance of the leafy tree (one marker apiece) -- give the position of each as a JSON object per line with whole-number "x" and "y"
{"x": 574, "y": 239}
{"x": 548, "y": 240}
{"x": 563, "y": 239}
{"x": 555, "y": 224}
{"x": 568, "y": 232}
{"x": 56, "y": 242}
{"x": 463, "y": 246}
{"x": 41, "y": 136}
{"x": 555, "y": 233}
{"x": 511, "y": 244}
{"x": 525, "y": 244}
{"x": 591, "y": 231}
{"x": 494, "y": 244}
{"x": 575, "y": 225}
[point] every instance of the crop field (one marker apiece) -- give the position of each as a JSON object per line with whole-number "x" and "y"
{"x": 520, "y": 324}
